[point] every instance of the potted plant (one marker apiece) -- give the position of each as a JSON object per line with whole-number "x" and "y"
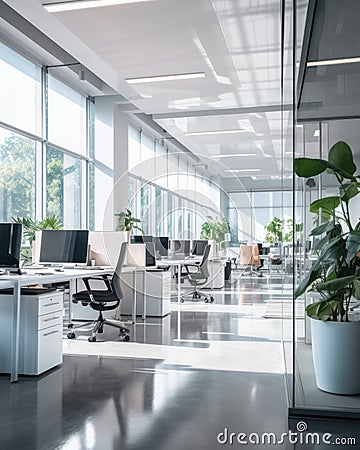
{"x": 127, "y": 222}
{"x": 215, "y": 229}
{"x": 30, "y": 227}
{"x": 335, "y": 275}
{"x": 274, "y": 233}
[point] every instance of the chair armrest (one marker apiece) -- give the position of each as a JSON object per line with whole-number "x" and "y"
{"x": 191, "y": 265}
{"x": 104, "y": 278}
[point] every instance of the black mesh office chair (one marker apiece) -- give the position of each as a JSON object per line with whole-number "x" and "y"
{"x": 199, "y": 277}
{"x": 105, "y": 299}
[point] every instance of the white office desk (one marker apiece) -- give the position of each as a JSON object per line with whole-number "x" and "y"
{"x": 33, "y": 278}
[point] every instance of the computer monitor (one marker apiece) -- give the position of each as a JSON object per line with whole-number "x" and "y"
{"x": 180, "y": 246}
{"x": 161, "y": 245}
{"x": 10, "y": 245}
{"x": 64, "y": 246}
{"x": 198, "y": 247}
{"x": 141, "y": 239}
{"x": 150, "y": 254}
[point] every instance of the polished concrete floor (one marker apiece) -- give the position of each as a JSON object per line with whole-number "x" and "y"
{"x": 184, "y": 382}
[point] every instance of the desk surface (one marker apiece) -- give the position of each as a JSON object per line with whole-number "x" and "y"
{"x": 40, "y": 276}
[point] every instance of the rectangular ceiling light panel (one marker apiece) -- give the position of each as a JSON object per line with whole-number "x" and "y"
{"x": 333, "y": 62}
{"x": 86, "y": 4}
{"x": 152, "y": 79}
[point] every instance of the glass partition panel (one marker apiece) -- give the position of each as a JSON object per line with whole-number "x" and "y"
{"x": 314, "y": 140}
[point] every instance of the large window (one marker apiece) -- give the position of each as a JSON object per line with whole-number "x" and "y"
{"x": 250, "y": 212}
{"x": 43, "y": 157}
{"x": 67, "y": 117}
{"x": 63, "y": 187}
{"x": 17, "y": 175}
{"x": 20, "y": 92}
{"x": 165, "y": 191}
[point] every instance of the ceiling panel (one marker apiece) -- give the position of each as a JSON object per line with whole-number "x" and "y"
{"x": 236, "y": 43}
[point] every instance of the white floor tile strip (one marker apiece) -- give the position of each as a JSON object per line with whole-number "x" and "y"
{"x": 259, "y": 357}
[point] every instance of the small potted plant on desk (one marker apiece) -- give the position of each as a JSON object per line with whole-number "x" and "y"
{"x": 335, "y": 275}
{"x": 127, "y": 222}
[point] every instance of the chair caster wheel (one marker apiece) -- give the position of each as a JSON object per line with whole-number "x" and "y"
{"x": 181, "y": 300}
{"x": 125, "y": 338}
{"x": 92, "y": 339}
{"x": 71, "y": 335}
{"x": 206, "y": 300}
{"x": 211, "y": 299}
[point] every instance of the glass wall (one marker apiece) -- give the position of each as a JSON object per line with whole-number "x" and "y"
{"x": 166, "y": 191}
{"x": 314, "y": 139}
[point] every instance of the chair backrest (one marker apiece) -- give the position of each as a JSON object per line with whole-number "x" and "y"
{"x": 204, "y": 262}
{"x": 245, "y": 254}
{"x": 115, "y": 280}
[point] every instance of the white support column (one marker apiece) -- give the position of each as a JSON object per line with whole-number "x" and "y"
{"x": 121, "y": 161}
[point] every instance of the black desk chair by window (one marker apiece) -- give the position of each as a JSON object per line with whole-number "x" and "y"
{"x": 199, "y": 277}
{"x": 105, "y": 299}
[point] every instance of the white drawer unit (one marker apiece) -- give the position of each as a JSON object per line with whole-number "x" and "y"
{"x": 157, "y": 293}
{"x": 41, "y": 328}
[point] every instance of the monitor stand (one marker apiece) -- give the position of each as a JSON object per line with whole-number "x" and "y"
{"x": 16, "y": 271}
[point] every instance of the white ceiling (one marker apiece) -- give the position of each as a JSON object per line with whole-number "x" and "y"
{"x": 236, "y": 43}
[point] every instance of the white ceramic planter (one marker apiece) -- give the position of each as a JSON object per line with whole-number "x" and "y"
{"x": 336, "y": 356}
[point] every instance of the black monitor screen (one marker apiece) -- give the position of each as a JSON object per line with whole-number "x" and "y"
{"x": 162, "y": 245}
{"x": 181, "y": 246}
{"x": 10, "y": 244}
{"x": 150, "y": 254}
{"x": 64, "y": 246}
{"x": 198, "y": 247}
{"x": 141, "y": 239}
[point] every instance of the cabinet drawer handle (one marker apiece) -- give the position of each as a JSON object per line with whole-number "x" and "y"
{"x": 51, "y": 318}
{"x": 51, "y": 332}
{"x": 51, "y": 304}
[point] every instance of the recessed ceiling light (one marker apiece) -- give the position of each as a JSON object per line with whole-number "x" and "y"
{"x": 230, "y": 155}
{"x": 316, "y": 133}
{"x": 86, "y": 4}
{"x": 333, "y": 62}
{"x": 242, "y": 170}
{"x": 205, "y": 133}
{"x": 178, "y": 76}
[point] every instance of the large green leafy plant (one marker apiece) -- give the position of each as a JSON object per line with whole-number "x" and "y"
{"x": 30, "y": 226}
{"x": 274, "y": 231}
{"x": 127, "y": 222}
{"x": 215, "y": 228}
{"x": 335, "y": 274}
